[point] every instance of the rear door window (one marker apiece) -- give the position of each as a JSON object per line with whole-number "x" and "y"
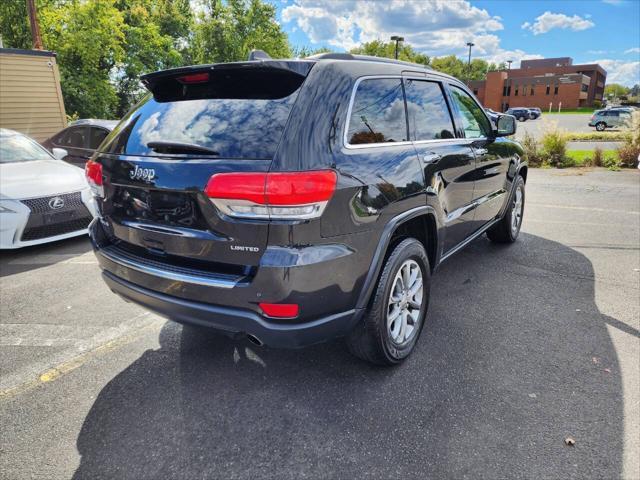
{"x": 377, "y": 113}
{"x": 96, "y": 137}
{"x": 74, "y": 137}
{"x": 429, "y": 117}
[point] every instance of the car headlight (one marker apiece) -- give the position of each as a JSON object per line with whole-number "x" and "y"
{"x": 5, "y": 209}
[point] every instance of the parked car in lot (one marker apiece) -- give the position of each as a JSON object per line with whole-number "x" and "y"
{"x": 294, "y": 201}
{"x": 534, "y": 113}
{"x": 493, "y": 115}
{"x": 610, "y": 118}
{"x": 80, "y": 139}
{"x": 42, "y": 199}
{"x": 522, "y": 114}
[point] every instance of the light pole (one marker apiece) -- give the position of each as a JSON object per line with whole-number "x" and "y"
{"x": 509, "y": 62}
{"x": 397, "y": 39}
{"x": 469, "y": 44}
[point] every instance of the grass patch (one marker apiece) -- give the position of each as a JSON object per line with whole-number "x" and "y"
{"x": 580, "y": 158}
{"x": 598, "y": 136}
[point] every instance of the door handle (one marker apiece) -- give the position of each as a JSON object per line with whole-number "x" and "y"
{"x": 432, "y": 157}
{"x": 481, "y": 151}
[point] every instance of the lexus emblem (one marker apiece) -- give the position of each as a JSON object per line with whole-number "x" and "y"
{"x": 55, "y": 203}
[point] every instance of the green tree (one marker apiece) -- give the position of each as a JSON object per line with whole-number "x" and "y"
{"x": 616, "y": 90}
{"x": 378, "y": 48}
{"x": 154, "y": 32}
{"x": 458, "y": 68}
{"x": 87, "y": 37}
{"x": 228, "y": 31}
{"x": 304, "y": 52}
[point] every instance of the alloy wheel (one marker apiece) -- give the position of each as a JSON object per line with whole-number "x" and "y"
{"x": 405, "y": 303}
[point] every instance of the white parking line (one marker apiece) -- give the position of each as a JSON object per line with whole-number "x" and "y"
{"x": 590, "y": 209}
{"x": 57, "y": 258}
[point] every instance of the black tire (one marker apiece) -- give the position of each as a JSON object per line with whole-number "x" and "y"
{"x": 370, "y": 340}
{"x": 503, "y": 231}
{"x": 522, "y": 119}
{"x": 601, "y": 126}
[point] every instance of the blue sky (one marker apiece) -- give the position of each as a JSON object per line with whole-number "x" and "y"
{"x": 603, "y": 31}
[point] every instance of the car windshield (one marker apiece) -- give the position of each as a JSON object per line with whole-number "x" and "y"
{"x": 18, "y": 148}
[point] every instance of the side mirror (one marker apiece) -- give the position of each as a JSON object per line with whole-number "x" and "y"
{"x": 506, "y": 125}
{"x": 59, "y": 153}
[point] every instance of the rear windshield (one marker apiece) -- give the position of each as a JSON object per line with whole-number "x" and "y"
{"x": 227, "y": 127}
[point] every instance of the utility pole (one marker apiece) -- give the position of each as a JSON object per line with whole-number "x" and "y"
{"x": 35, "y": 27}
{"x": 509, "y": 62}
{"x": 397, "y": 39}
{"x": 469, "y": 44}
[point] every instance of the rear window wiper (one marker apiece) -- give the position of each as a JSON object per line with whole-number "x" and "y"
{"x": 180, "y": 147}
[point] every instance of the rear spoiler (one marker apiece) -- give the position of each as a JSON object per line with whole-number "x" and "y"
{"x": 168, "y": 85}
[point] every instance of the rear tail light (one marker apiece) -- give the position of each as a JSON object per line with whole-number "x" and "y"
{"x": 93, "y": 171}
{"x": 280, "y": 310}
{"x": 276, "y": 196}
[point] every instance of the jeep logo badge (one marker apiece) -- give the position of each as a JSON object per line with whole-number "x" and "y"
{"x": 146, "y": 174}
{"x": 55, "y": 203}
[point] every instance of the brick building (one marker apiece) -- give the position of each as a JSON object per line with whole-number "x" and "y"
{"x": 542, "y": 83}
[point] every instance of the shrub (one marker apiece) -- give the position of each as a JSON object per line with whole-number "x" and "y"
{"x": 554, "y": 148}
{"x": 629, "y": 153}
{"x": 598, "y": 157}
{"x": 597, "y": 104}
{"x": 531, "y": 151}
{"x": 611, "y": 163}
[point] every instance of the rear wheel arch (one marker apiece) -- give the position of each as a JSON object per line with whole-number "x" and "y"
{"x": 419, "y": 222}
{"x": 424, "y": 229}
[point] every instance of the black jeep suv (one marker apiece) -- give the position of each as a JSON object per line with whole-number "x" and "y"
{"x": 294, "y": 201}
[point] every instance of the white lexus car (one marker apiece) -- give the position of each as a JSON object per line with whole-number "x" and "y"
{"x": 42, "y": 199}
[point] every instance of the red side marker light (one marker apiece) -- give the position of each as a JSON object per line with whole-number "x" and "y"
{"x": 280, "y": 310}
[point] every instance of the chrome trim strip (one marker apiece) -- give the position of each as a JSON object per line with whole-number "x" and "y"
{"x": 468, "y": 240}
{"x": 167, "y": 275}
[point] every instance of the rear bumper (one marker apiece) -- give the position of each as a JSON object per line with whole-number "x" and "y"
{"x": 234, "y": 321}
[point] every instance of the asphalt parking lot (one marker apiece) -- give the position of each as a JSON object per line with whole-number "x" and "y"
{"x": 525, "y": 346}
{"x": 569, "y": 122}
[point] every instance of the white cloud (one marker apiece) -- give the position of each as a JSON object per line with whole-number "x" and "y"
{"x": 596, "y": 52}
{"x": 613, "y": 2}
{"x": 620, "y": 71}
{"x": 434, "y": 27}
{"x": 548, "y": 21}
{"x": 633, "y": 50}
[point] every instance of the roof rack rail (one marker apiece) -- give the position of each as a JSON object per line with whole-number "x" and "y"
{"x": 258, "y": 55}
{"x": 332, "y": 56}
{"x": 365, "y": 58}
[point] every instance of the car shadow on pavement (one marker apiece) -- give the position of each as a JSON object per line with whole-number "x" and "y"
{"x": 38, "y": 256}
{"x": 515, "y": 359}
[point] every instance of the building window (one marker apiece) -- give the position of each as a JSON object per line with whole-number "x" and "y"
{"x": 524, "y": 90}
{"x": 475, "y": 91}
{"x": 516, "y": 94}
{"x": 555, "y": 89}
{"x": 585, "y": 87}
{"x": 548, "y": 89}
{"x": 532, "y": 91}
{"x": 509, "y": 91}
